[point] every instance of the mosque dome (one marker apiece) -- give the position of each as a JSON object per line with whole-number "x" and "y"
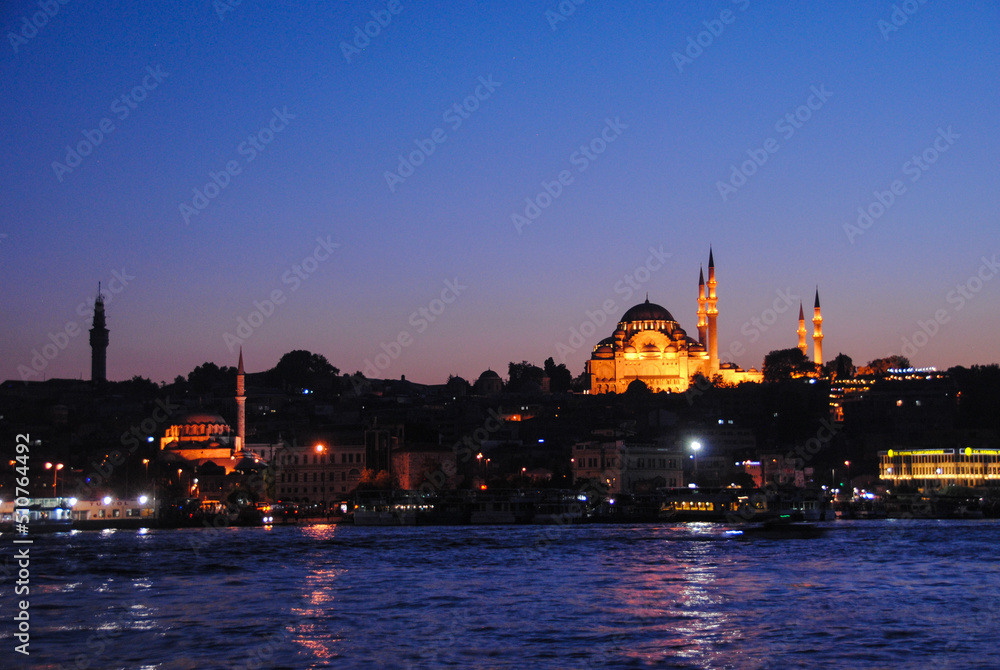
{"x": 647, "y": 311}
{"x": 200, "y": 417}
{"x": 197, "y": 425}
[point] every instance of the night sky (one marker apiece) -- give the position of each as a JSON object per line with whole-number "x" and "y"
{"x": 295, "y": 119}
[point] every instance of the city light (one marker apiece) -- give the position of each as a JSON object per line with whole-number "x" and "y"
{"x": 55, "y": 467}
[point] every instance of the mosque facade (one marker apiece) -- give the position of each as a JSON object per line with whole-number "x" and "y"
{"x": 650, "y": 346}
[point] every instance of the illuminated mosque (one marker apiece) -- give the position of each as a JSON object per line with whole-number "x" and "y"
{"x": 201, "y": 437}
{"x": 650, "y": 346}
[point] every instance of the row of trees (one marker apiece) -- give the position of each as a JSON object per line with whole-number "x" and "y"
{"x": 301, "y": 369}
{"x": 784, "y": 364}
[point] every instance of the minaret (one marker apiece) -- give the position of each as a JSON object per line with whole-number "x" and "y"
{"x": 99, "y": 342}
{"x": 713, "y": 316}
{"x": 817, "y": 332}
{"x": 802, "y": 331}
{"x": 702, "y": 322}
{"x": 241, "y": 407}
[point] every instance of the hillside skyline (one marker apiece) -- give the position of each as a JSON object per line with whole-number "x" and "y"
{"x": 344, "y": 167}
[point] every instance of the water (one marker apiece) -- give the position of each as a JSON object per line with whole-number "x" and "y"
{"x": 871, "y": 594}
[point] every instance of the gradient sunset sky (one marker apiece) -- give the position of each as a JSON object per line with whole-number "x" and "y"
{"x": 874, "y": 88}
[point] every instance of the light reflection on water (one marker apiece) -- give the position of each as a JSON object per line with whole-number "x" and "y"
{"x": 874, "y": 594}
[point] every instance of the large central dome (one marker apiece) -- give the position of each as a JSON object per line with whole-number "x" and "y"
{"x": 646, "y": 311}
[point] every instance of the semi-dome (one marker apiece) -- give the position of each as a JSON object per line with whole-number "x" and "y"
{"x": 198, "y": 417}
{"x": 647, "y": 311}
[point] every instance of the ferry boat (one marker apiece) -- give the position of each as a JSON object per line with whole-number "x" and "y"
{"x": 44, "y": 515}
{"x": 693, "y": 504}
{"x": 113, "y": 513}
{"x": 384, "y": 508}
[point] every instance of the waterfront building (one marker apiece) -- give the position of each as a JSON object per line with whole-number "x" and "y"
{"x": 932, "y": 469}
{"x": 417, "y": 466}
{"x": 650, "y": 346}
{"x": 319, "y": 472}
{"x": 629, "y": 468}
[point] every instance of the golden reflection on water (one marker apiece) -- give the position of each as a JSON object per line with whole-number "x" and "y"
{"x": 316, "y": 601}
{"x": 677, "y": 595}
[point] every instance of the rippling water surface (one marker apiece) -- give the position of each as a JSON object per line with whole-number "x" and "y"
{"x": 875, "y": 594}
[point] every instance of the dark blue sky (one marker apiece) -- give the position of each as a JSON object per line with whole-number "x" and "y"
{"x": 335, "y": 128}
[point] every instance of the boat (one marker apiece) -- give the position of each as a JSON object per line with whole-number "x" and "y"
{"x": 386, "y": 508}
{"x": 41, "y": 515}
{"x": 780, "y": 528}
{"x": 695, "y": 504}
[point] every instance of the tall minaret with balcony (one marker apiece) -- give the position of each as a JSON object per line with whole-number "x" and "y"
{"x": 803, "y": 347}
{"x": 241, "y": 407}
{"x": 702, "y": 321}
{"x": 713, "y": 317}
{"x": 817, "y": 332}
{"x": 99, "y": 342}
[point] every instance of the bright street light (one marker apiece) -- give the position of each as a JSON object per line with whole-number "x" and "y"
{"x": 56, "y": 467}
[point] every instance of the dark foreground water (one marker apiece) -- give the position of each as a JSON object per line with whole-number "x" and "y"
{"x": 873, "y": 594}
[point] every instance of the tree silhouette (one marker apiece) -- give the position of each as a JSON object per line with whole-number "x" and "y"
{"x": 784, "y": 364}
{"x": 880, "y": 366}
{"x": 560, "y": 378}
{"x": 301, "y": 369}
{"x": 524, "y": 377}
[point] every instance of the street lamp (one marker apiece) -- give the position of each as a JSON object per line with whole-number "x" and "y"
{"x": 320, "y": 448}
{"x": 55, "y": 467}
{"x": 696, "y": 447}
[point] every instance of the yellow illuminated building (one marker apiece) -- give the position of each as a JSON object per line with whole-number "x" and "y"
{"x": 650, "y": 346}
{"x": 936, "y": 468}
